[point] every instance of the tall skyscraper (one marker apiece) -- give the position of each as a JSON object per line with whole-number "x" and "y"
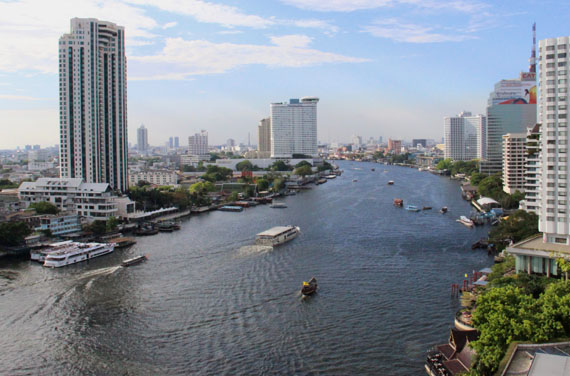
{"x": 142, "y": 139}
{"x": 93, "y": 103}
{"x": 553, "y": 114}
{"x": 514, "y": 162}
{"x": 176, "y": 142}
{"x": 198, "y": 144}
{"x": 463, "y": 136}
{"x": 264, "y": 136}
{"x": 294, "y": 128}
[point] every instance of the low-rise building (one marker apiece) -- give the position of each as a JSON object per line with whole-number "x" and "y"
{"x": 60, "y": 224}
{"x": 535, "y": 256}
{"x": 91, "y": 200}
{"x": 157, "y": 177}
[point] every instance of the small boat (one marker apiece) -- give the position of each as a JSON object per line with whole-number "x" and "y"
{"x": 123, "y": 242}
{"x": 231, "y": 208}
{"x": 354, "y": 180}
{"x": 134, "y": 261}
{"x": 278, "y": 205}
{"x": 321, "y": 181}
{"x": 372, "y": 169}
{"x": 466, "y": 221}
{"x": 310, "y": 287}
{"x": 391, "y": 182}
{"x": 398, "y": 202}
{"x": 426, "y": 208}
{"x": 412, "y": 208}
{"x": 277, "y": 235}
{"x": 443, "y": 210}
{"x": 146, "y": 230}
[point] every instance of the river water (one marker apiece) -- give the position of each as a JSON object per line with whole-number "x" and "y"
{"x": 209, "y": 303}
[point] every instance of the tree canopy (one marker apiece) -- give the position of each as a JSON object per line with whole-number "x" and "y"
{"x": 215, "y": 173}
{"x": 520, "y": 225}
{"x": 304, "y": 171}
{"x": 44, "y": 207}
{"x": 13, "y": 233}
{"x": 244, "y": 166}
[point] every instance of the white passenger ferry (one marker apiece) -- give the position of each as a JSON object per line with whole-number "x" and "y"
{"x": 277, "y": 235}
{"x": 77, "y": 252}
{"x": 39, "y": 255}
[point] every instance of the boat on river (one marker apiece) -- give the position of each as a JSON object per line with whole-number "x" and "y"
{"x": 391, "y": 182}
{"x": 398, "y": 202}
{"x": 309, "y": 288}
{"x": 77, "y": 252}
{"x": 40, "y": 255}
{"x": 277, "y": 235}
{"x": 443, "y": 210}
{"x": 134, "y": 261}
{"x": 426, "y": 208}
{"x": 168, "y": 226}
{"x": 122, "y": 242}
{"x": 412, "y": 208}
{"x": 278, "y": 205}
{"x": 466, "y": 221}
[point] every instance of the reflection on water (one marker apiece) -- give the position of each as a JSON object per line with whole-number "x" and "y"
{"x": 209, "y": 301}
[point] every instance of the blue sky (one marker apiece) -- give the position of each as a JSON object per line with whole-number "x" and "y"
{"x": 391, "y": 68}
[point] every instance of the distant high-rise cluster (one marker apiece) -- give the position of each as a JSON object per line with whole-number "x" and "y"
{"x": 198, "y": 144}
{"x": 93, "y": 103}
{"x": 294, "y": 128}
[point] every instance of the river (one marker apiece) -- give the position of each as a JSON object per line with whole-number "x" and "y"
{"x": 208, "y": 303}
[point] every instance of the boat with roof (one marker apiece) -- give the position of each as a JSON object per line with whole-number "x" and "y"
{"x": 309, "y": 288}
{"x": 277, "y": 235}
{"x": 77, "y": 252}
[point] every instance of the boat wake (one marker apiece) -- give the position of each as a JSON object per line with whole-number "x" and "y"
{"x": 100, "y": 272}
{"x": 248, "y": 250}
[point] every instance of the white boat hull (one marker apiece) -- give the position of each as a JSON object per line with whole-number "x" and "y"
{"x": 281, "y": 239}
{"x": 74, "y": 259}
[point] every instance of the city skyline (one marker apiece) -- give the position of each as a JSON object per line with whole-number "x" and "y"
{"x": 379, "y": 67}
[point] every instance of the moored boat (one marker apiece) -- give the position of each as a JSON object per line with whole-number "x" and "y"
{"x": 146, "y": 230}
{"x": 122, "y": 242}
{"x": 278, "y": 205}
{"x": 310, "y": 287}
{"x": 231, "y": 208}
{"x": 77, "y": 252}
{"x": 277, "y": 235}
{"x": 412, "y": 208}
{"x": 465, "y": 221}
{"x": 134, "y": 261}
{"x": 40, "y": 255}
{"x": 426, "y": 208}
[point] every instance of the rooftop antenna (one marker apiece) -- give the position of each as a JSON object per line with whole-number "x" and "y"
{"x": 532, "y": 60}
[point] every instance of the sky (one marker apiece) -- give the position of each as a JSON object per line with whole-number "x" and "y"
{"x": 390, "y": 68}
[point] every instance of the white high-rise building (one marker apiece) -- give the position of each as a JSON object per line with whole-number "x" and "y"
{"x": 553, "y": 115}
{"x": 93, "y": 103}
{"x": 294, "y": 128}
{"x": 514, "y": 162}
{"x": 531, "y": 202}
{"x": 464, "y": 136}
{"x": 198, "y": 144}
{"x": 142, "y": 139}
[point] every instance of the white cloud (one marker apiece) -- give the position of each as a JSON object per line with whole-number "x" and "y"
{"x": 30, "y": 29}
{"x": 19, "y": 97}
{"x": 411, "y": 33}
{"x": 169, "y": 25}
{"x": 203, "y": 11}
{"x": 230, "y": 32}
{"x": 294, "y": 40}
{"x": 353, "y": 5}
{"x": 182, "y": 58}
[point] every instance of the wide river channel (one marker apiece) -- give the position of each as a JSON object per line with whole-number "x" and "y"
{"x": 209, "y": 303}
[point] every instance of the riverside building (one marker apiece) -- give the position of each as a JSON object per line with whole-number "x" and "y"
{"x": 514, "y": 158}
{"x": 464, "y": 136}
{"x": 531, "y": 202}
{"x": 93, "y": 103}
{"x": 539, "y": 254}
{"x": 294, "y": 128}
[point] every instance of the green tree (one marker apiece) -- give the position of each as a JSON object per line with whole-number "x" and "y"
{"x": 564, "y": 265}
{"x": 476, "y": 178}
{"x": 234, "y": 196}
{"x": 303, "y": 163}
{"x": 111, "y": 224}
{"x": 44, "y": 207}
{"x": 304, "y": 171}
{"x": 281, "y": 166}
{"x": 278, "y": 185}
{"x": 98, "y": 227}
{"x": 262, "y": 184}
{"x": 325, "y": 166}
{"x": 444, "y": 164}
{"x": 13, "y": 233}
{"x": 7, "y": 184}
{"x": 491, "y": 186}
{"x": 503, "y": 315}
{"x": 244, "y": 166}
{"x": 520, "y": 225}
